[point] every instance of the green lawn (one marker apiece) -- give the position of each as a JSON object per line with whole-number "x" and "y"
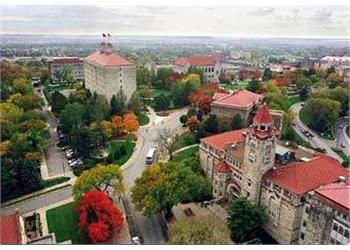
{"x": 154, "y": 92}
{"x": 187, "y": 139}
{"x": 186, "y": 153}
{"x": 63, "y": 221}
{"x": 238, "y": 85}
{"x": 345, "y": 158}
{"x": 307, "y": 120}
{"x": 143, "y": 119}
{"x": 348, "y": 131}
{"x": 55, "y": 181}
{"x": 292, "y": 100}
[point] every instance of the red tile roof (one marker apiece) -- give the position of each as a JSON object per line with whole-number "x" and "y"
{"x": 9, "y": 230}
{"x": 219, "y": 141}
{"x": 218, "y": 95}
{"x": 302, "y": 177}
{"x": 222, "y": 167}
{"x": 338, "y": 193}
{"x": 263, "y": 116}
{"x": 241, "y": 98}
{"x": 107, "y": 59}
{"x": 196, "y": 61}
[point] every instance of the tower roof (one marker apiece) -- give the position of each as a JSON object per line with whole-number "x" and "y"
{"x": 263, "y": 116}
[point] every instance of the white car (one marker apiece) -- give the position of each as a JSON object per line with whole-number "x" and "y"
{"x": 136, "y": 240}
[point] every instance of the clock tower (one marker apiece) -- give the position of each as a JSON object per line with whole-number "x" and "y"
{"x": 259, "y": 153}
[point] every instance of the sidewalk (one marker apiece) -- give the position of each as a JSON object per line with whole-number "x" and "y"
{"x": 137, "y": 150}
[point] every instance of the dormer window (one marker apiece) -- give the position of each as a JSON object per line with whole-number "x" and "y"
{"x": 262, "y": 128}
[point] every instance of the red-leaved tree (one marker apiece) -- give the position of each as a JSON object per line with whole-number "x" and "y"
{"x": 98, "y": 214}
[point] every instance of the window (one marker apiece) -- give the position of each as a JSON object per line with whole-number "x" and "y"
{"x": 302, "y": 235}
{"x": 335, "y": 227}
{"x": 346, "y": 233}
{"x": 304, "y": 223}
{"x": 248, "y": 194}
{"x": 341, "y": 230}
{"x": 332, "y": 241}
{"x": 307, "y": 210}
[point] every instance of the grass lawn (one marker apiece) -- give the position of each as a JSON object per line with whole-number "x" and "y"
{"x": 342, "y": 155}
{"x": 238, "y": 85}
{"x": 306, "y": 119}
{"x": 55, "y": 181}
{"x": 63, "y": 221}
{"x": 153, "y": 92}
{"x": 143, "y": 119}
{"x": 90, "y": 162}
{"x": 292, "y": 100}
{"x": 186, "y": 153}
{"x": 348, "y": 131}
{"x": 187, "y": 139}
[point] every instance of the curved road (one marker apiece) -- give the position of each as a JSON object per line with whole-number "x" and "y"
{"x": 315, "y": 141}
{"x": 341, "y": 136}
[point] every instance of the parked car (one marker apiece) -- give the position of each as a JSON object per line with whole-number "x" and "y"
{"x": 341, "y": 126}
{"x": 302, "y": 104}
{"x": 342, "y": 145}
{"x": 222, "y": 200}
{"x": 204, "y": 203}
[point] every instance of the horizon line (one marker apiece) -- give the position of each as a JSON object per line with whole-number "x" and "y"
{"x": 183, "y": 35}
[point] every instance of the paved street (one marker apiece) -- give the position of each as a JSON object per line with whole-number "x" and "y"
{"x": 316, "y": 141}
{"x": 152, "y": 229}
{"x": 39, "y": 201}
{"x": 55, "y": 160}
{"x": 340, "y": 133}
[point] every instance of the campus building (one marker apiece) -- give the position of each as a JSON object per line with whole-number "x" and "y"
{"x": 106, "y": 72}
{"x": 57, "y": 65}
{"x": 252, "y": 162}
{"x": 208, "y": 64}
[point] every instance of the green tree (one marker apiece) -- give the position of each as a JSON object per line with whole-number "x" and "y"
{"x": 143, "y": 75}
{"x": 102, "y": 106}
{"x": 161, "y": 102}
{"x": 135, "y": 104}
{"x": 196, "y": 71}
{"x": 162, "y": 74}
{"x": 237, "y": 122}
{"x": 101, "y": 177}
{"x": 211, "y": 125}
{"x": 302, "y": 82}
{"x": 183, "y": 119}
{"x": 304, "y": 93}
{"x": 84, "y": 140}
{"x": 118, "y": 103}
{"x": 28, "y": 102}
{"x": 28, "y": 175}
{"x": 253, "y": 86}
{"x": 245, "y": 220}
{"x": 58, "y": 101}
{"x": 72, "y": 116}
{"x": 267, "y": 75}
{"x": 178, "y": 95}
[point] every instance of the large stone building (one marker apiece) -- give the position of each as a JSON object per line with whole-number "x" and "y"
{"x": 326, "y": 218}
{"x": 208, "y": 64}
{"x": 57, "y": 65}
{"x": 253, "y": 163}
{"x": 106, "y": 72}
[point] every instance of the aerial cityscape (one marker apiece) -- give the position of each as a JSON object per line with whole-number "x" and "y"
{"x": 217, "y": 126}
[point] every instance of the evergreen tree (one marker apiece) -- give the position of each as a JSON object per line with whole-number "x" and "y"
{"x": 212, "y": 124}
{"x": 118, "y": 103}
{"x": 161, "y": 102}
{"x": 236, "y": 122}
{"x": 29, "y": 177}
{"x": 267, "y": 76}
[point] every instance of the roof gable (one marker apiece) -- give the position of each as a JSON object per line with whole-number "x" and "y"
{"x": 219, "y": 141}
{"x": 241, "y": 98}
{"x": 105, "y": 59}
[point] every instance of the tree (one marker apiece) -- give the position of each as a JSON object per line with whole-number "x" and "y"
{"x": 333, "y": 80}
{"x": 267, "y": 76}
{"x": 10, "y": 112}
{"x": 28, "y": 101}
{"x": 143, "y": 75}
{"x": 130, "y": 122}
{"x": 98, "y": 214}
{"x": 192, "y": 122}
{"x": 183, "y": 119}
{"x": 72, "y": 116}
{"x": 117, "y": 124}
{"x": 211, "y": 125}
{"x": 58, "y": 101}
{"x": 22, "y": 86}
{"x": 236, "y": 122}
{"x": 163, "y": 185}
{"x": 145, "y": 92}
{"x": 245, "y": 220}
{"x": 135, "y": 104}
{"x": 161, "y": 102}
{"x": 101, "y": 106}
{"x": 253, "y": 86}
{"x": 196, "y": 71}
{"x": 243, "y": 75}
{"x": 168, "y": 141}
{"x": 304, "y": 93}
{"x": 302, "y": 82}
{"x": 118, "y": 103}
{"x": 178, "y": 94}
{"x": 84, "y": 140}
{"x": 198, "y": 230}
{"x": 100, "y": 177}
{"x": 162, "y": 74}
{"x": 28, "y": 175}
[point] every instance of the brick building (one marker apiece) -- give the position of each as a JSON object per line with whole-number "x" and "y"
{"x": 253, "y": 163}
{"x": 106, "y": 72}
{"x": 208, "y": 64}
{"x": 57, "y": 65}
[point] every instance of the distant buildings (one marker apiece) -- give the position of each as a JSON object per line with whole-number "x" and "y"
{"x": 106, "y": 72}
{"x": 336, "y": 61}
{"x": 208, "y": 64}
{"x": 253, "y": 163}
{"x": 57, "y": 65}
{"x": 326, "y": 218}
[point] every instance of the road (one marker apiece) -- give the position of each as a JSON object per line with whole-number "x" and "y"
{"x": 152, "y": 229}
{"x": 340, "y": 133}
{"x": 39, "y": 201}
{"x": 56, "y": 161}
{"x": 316, "y": 141}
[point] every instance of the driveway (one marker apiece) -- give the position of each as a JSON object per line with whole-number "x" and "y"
{"x": 316, "y": 141}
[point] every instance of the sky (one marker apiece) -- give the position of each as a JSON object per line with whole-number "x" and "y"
{"x": 239, "y": 21}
